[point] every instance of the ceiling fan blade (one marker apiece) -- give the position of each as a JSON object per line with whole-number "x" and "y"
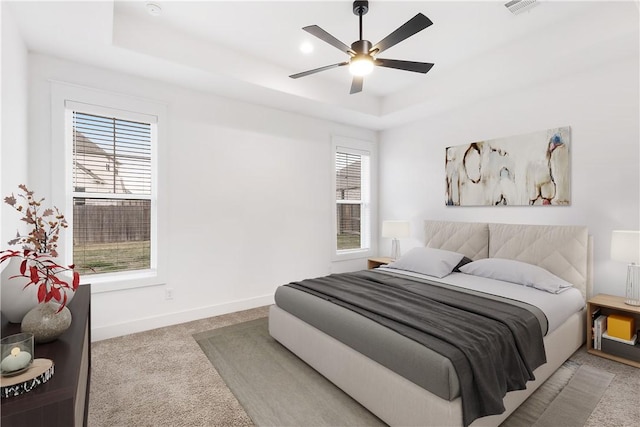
{"x": 328, "y": 38}
{"x": 356, "y": 84}
{"x": 317, "y": 70}
{"x": 417, "y": 67}
{"x": 406, "y": 30}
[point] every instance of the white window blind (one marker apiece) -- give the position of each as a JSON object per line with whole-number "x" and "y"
{"x": 111, "y": 155}
{"x": 352, "y": 199}
{"x": 112, "y": 193}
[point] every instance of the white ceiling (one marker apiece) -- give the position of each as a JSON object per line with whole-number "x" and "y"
{"x": 246, "y": 50}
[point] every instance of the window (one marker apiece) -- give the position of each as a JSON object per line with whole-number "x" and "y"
{"x": 108, "y": 163}
{"x": 112, "y": 189}
{"x": 353, "y": 197}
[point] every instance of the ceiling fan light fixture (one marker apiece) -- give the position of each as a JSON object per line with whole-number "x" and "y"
{"x": 306, "y": 47}
{"x": 361, "y": 65}
{"x": 363, "y": 55}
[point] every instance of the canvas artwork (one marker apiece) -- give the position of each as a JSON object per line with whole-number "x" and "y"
{"x": 523, "y": 170}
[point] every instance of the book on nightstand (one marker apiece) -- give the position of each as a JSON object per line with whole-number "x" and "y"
{"x": 594, "y": 315}
{"x": 599, "y": 326}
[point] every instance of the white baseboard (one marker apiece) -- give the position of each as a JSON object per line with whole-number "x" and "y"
{"x": 140, "y": 325}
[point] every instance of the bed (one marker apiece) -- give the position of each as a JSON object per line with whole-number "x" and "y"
{"x": 405, "y": 383}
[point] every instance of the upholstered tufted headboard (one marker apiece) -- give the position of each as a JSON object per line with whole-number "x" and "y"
{"x": 563, "y": 250}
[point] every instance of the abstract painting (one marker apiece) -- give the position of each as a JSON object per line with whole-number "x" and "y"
{"x": 522, "y": 170}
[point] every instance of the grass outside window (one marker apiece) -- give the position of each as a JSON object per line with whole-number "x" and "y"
{"x": 348, "y": 241}
{"x": 95, "y": 258}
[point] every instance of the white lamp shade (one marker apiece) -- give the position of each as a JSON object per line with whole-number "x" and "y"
{"x": 395, "y": 229}
{"x": 625, "y": 246}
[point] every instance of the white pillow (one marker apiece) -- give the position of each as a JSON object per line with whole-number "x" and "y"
{"x": 516, "y": 272}
{"x": 429, "y": 261}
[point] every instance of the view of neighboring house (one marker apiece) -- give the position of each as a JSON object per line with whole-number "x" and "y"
{"x": 95, "y": 170}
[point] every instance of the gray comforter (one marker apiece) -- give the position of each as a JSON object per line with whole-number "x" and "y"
{"x": 494, "y": 346}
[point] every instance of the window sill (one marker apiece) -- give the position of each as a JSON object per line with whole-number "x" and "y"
{"x": 353, "y": 254}
{"x": 108, "y": 282}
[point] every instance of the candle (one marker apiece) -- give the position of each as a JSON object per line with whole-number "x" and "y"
{"x": 15, "y": 361}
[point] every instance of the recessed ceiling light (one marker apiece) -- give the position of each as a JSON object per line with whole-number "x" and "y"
{"x": 306, "y": 47}
{"x": 154, "y": 9}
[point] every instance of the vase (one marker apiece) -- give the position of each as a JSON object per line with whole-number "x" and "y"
{"x": 16, "y": 300}
{"x": 45, "y": 322}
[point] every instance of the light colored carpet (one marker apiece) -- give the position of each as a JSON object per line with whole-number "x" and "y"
{"x": 162, "y": 378}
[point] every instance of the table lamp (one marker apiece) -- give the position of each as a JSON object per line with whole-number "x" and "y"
{"x": 625, "y": 247}
{"x": 395, "y": 230}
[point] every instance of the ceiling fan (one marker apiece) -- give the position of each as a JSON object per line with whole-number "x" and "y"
{"x": 363, "y": 55}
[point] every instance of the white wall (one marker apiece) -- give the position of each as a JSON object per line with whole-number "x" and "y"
{"x": 249, "y": 198}
{"x": 13, "y": 150}
{"x": 601, "y": 106}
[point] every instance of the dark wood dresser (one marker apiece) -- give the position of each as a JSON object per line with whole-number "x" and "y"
{"x": 64, "y": 399}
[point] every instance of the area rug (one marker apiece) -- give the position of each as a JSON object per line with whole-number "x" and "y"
{"x": 577, "y": 400}
{"x": 278, "y": 389}
{"x": 566, "y": 399}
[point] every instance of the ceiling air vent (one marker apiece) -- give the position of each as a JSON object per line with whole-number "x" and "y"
{"x": 518, "y": 6}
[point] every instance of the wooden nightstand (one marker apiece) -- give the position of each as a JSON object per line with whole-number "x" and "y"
{"x": 378, "y": 261}
{"x": 609, "y": 304}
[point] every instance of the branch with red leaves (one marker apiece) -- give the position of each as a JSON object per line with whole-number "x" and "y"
{"x": 43, "y": 272}
{"x": 39, "y": 248}
{"x": 46, "y": 225}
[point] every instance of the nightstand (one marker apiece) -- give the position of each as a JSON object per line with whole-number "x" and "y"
{"x": 609, "y": 304}
{"x": 378, "y": 261}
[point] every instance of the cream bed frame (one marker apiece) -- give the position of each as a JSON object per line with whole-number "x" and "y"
{"x": 563, "y": 250}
